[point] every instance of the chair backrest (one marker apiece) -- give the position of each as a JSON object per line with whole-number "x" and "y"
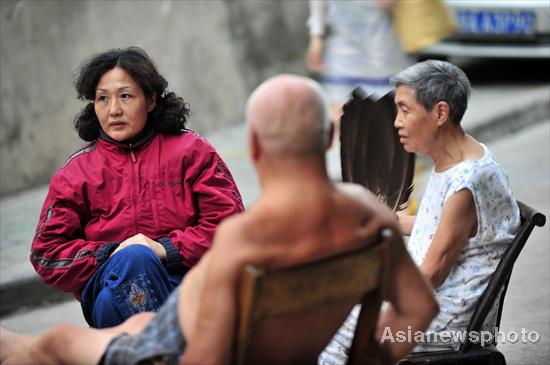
{"x": 499, "y": 280}
{"x": 288, "y": 316}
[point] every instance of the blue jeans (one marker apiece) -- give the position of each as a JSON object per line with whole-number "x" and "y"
{"x": 132, "y": 280}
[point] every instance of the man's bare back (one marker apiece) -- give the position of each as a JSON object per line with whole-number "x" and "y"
{"x": 285, "y": 232}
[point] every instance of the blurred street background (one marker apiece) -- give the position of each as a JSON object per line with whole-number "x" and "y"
{"x": 214, "y": 53}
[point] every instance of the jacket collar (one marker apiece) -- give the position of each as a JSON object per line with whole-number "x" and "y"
{"x": 136, "y": 141}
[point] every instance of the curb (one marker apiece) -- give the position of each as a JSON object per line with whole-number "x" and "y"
{"x": 506, "y": 123}
{"x": 24, "y": 294}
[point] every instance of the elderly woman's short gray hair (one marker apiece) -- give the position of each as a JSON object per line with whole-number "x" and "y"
{"x": 434, "y": 81}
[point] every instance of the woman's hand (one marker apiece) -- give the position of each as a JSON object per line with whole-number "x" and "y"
{"x": 314, "y": 56}
{"x": 141, "y": 239}
{"x": 406, "y": 222}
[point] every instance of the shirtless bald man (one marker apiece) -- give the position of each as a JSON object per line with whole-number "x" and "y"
{"x": 300, "y": 216}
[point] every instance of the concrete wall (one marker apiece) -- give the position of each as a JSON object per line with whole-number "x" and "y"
{"x": 213, "y": 53}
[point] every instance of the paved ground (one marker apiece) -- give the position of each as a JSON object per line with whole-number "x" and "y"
{"x": 527, "y": 306}
{"x": 524, "y": 154}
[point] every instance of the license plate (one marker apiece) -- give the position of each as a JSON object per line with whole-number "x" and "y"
{"x": 496, "y": 22}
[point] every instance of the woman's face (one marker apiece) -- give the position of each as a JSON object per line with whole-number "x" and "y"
{"x": 416, "y": 126}
{"x": 120, "y": 105}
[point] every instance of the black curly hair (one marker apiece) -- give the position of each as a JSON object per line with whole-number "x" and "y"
{"x": 170, "y": 113}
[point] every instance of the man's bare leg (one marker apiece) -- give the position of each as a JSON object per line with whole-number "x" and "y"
{"x": 65, "y": 344}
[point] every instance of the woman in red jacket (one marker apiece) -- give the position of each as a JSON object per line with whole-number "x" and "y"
{"x": 127, "y": 215}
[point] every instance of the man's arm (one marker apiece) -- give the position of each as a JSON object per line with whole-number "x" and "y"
{"x": 412, "y": 304}
{"x": 209, "y": 341}
{"x": 411, "y": 298}
{"x": 458, "y": 222}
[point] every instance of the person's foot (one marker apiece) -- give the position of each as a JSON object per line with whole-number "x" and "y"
{"x": 11, "y": 343}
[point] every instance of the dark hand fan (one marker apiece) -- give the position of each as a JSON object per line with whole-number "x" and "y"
{"x": 370, "y": 151}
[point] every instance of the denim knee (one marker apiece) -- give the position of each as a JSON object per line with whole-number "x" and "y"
{"x": 133, "y": 280}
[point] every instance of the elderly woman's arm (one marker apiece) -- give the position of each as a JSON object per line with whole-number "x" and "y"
{"x": 458, "y": 223}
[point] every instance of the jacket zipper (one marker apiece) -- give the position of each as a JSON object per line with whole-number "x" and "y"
{"x": 132, "y": 154}
{"x": 133, "y": 191}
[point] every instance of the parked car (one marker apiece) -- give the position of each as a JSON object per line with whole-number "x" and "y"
{"x": 497, "y": 29}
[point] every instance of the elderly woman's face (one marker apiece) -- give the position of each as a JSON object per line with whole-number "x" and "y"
{"x": 120, "y": 105}
{"x": 416, "y": 126}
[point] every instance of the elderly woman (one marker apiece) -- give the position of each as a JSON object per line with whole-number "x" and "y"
{"x": 128, "y": 215}
{"x": 468, "y": 214}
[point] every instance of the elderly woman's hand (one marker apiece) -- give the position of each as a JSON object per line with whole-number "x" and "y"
{"x": 141, "y": 239}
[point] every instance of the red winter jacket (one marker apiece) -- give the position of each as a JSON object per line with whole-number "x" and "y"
{"x": 173, "y": 189}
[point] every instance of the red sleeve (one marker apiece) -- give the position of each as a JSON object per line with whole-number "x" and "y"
{"x": 217, "y": 198}
{"x": 60, "y": 253}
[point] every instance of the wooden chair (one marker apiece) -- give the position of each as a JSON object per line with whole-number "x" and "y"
{"x": 490, "y": 305}
{"x": 288, "y": 316}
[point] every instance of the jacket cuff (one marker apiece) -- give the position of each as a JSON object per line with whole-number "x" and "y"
{"x": 105, "y": 251}
{"x": 173, "y": 258}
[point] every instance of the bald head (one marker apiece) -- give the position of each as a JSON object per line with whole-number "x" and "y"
{"x": 290, "y": 116}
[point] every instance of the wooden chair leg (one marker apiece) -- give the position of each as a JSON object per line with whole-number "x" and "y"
{"x": 365, "y": 349}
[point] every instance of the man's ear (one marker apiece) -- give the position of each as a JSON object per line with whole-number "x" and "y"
{"x": 330, "y": 136}
{"x": 441, "y": 110}
{"x": 254, "y": 145}
{"x": 152, "y": 103}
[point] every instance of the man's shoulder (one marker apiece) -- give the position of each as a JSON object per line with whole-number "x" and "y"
{"x": 232, "y": 231}
{"x": 356, "y": 192}
{"x": 350, "y": 188}
{"x": 235, "y": 244}
{"x": 361, "y": 202}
